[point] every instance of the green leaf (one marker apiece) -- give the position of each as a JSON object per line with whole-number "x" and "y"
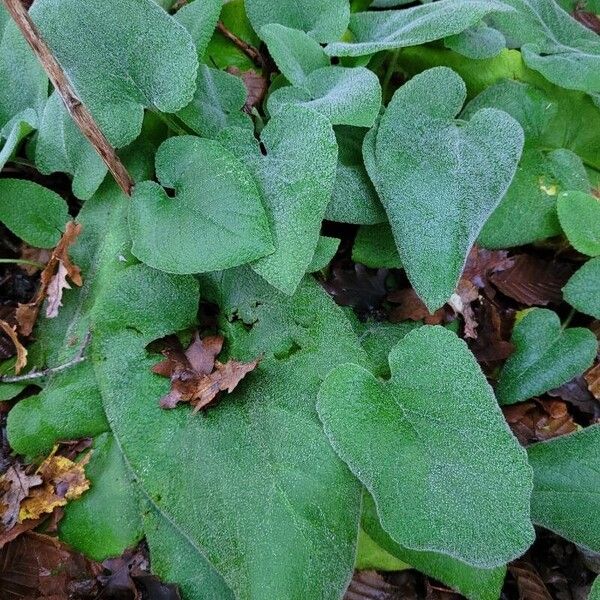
{"x": 437, "y": 424}
{"x": 346, "y": 96}
{"x": 566, "y": 492}
{"x": 354, "y": 198}
{"x": 564, "y": 51}
{"x": 473, "y": 582}
{"x": 324, "y": 20}
{"x": 374, "y": 31}
{"x": 579, "y": 216}
{"x": 200, "y": 19}
{"x": 583, "y": 289}
{"x": 176, "y": 558}
{"x": 441, "y": 179}
{"x": 295, "y": 53}
{"x": 371, "y": 556}
{"x": 545, "y": 357}
{"x": 527, "y": 212}
{"x": 295, "y": 177}
{"x": 270, "y": 531}
{"x": 32, "y": 212}
{"x": 478, "y": 41}
{"x": 106, "y": 518}
{"x": 216, "y": 219}
{"x": 62, "y": 147}
{"x": 218, "y": 102}
{"x": 129, "y": 54}
{"x": 15, "y": 131}
{"x": 324, "y": 252}
{"x": 221, "y": 52}
{"x": 374, "y": 247}
{"x": 595, "y": 591}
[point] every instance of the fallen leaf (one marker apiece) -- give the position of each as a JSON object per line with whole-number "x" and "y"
{"x": 21, "y": 350}
{"x": 63, "y": 480}
{"x": 15, "y": 485}
{"x": 576, "y": 393}
{"x": 493, "y": 335}
{"x": 587, "y": 18}
{"x": 57, "y": 284}
{"x": 370, "y": 585}
{"x": 539, "y": 420}
{"x": 461, "y": 303}
{"x": 361, "y": 288}
{"x": 37, "y": 255}
{"x": 39, "y": 566}
{"x": 196, "y": 376}
{"x": 529, "y": 583}
{"x": 481, "y": 263}
{"x": 533, "y": 281}
{"x": 412, "y": 308}
{"x": 256, "y": 87}
{"x": 592, "y": 378}
{"x": 27, "y": 313}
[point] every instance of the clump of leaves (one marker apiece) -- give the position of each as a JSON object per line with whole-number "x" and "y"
{"x": 339, "y": 195}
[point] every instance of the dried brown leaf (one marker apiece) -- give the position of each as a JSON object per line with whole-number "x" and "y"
{"x": 370, "y": 585}
{"x": 592, "y": 378}
{"x": 529, "y": 583}
{"x": 411, "y": 308}
{"x": 15, "y": 485}
{"x": 576, "y": 393}
{"x": 11, "y": 332}
{"x": 57, "y": 284}
{"x": 27, "y": 313}
{"x": 256, "y": 87}
{"x": 533, "y": 281}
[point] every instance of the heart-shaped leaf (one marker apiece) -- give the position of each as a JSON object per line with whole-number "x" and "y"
{"x": 324, "y": 20}
{"x": 354, "y": 198}
{"x": 527, "y": 212}
{"x": 553, "y": 43}
{"x": 478, "y": 41}
{"x": 216, "y": 219}
{"x": 32, "y": 212}
{"x": 295, "y": 53}
{"x": 374, "y": 31}
{"x": 218, "y": 102}
{"x": 228, "y": 465}
{"x": 129, "y": 54}
{"x": 472, "y": 582}
{"x": 566, "y": 492}
{"x": 200, "y": 19}
{"x": 296, "y": 177}
{"x": 579, "y": 216}
{"x": 441, "y": 179}
{"x": 419, "y": 440}
{"x": 583, "y": 289}
{"x": 546, "y": 356}
{"x": 346, "y": 96}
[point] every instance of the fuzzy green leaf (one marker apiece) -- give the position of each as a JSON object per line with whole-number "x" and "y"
{"x": 583, "y": 289}
{"x": 354, "y": 198}
{"x": 595, "y": 591}
{"x": 478, "y": 41}
{"x": 553, "y": 43}
{"x": 346, "y": 96}
{"x": 441, "y": 179}
{"x": 473, "y": 582}
{"x": 216, "y": 219}
{"x": 270, "y": 531}
{"x": 527, "y": 212}
{"x": 566, "y": 492}
{"x": 324, "y": 252}
{"x": 437, "y": 424}
{"x": 324, "y": 20}
{"x": 218, "y": 102}
{"x": 579, "y": 216}
{"x": 369, "y": 555}
{"x": 32, "y": 212}
{"x": 295, "y": 177}
{"x": 374, "y": 247}
{"x": 200, "y": 19}
{"x": 545, "y": 357}
{"x": 295, "y": 53}
{"x": 375, "y": 31}
{"x": 129, "y": 54}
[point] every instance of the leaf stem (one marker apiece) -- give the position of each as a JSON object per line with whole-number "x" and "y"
{"x": 21, "y": 261}
{"x": 568, "y": 319}
{"x": 78, "y": 111}
{"x": 43, "y": 372}
{"x": 390, "y": 72}
{"x": 174, "y": 124}
{"x": 250, "y": 51}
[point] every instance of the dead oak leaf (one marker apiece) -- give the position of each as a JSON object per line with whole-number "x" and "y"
{"x": 11, "y": 332}
{"x": 52, "y": 281}
{"x": 196, "y": 376}
{"x": 14, "y": 486}
{"x": 63, "y": 480}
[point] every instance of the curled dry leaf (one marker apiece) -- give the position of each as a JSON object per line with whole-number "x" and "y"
{"x": 533, "y": 281}
{"x": 529, "y": 582}
{"x": 52, "y": 281}
{"x": 412, "y": 308}
{"x": 592, "y": 378}
{"x": 14, "y": 486}
{"x": 196, "y": 376}
{"x": 11, "y": 332}
{"x": 256, "y": 87}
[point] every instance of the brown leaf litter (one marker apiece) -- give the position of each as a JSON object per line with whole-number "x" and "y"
{"x": 11, "y": 332}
